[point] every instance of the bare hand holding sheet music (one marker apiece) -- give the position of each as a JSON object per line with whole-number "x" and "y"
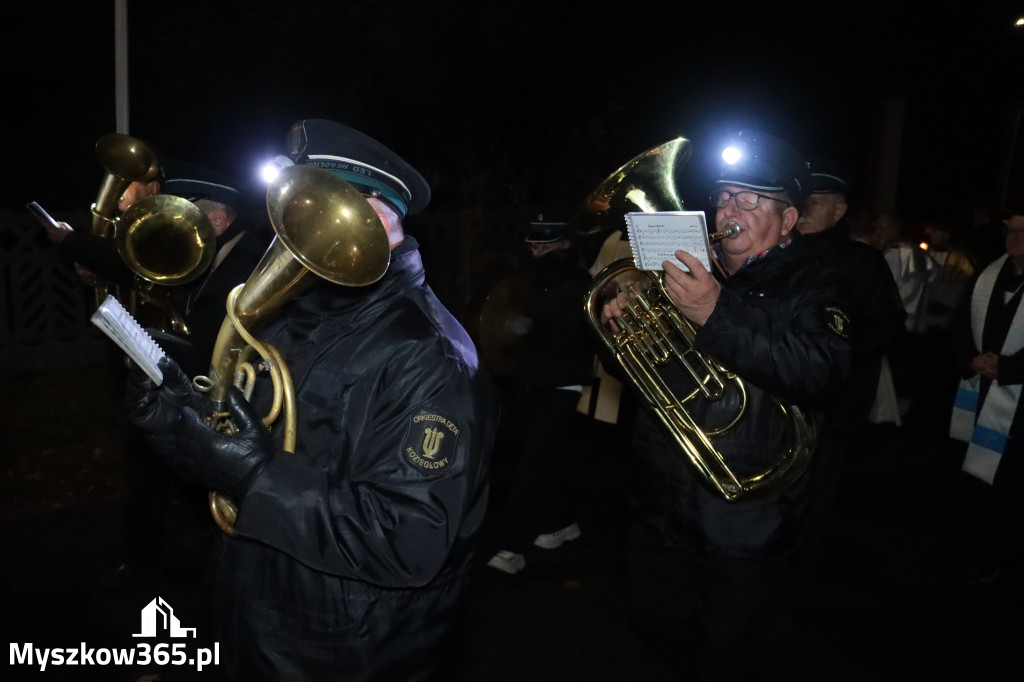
{"x": 694, "y": 291}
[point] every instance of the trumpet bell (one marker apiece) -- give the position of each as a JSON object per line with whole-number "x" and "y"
{"x": 165, "y": 239}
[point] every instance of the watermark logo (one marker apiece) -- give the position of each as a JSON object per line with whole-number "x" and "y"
{"x": 158, "y": 615}
{"x": 158, "y": 620}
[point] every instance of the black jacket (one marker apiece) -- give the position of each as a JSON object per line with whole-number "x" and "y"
{"x": 97, "y": 253}
{"x": 780, "y": 323}
{"x": 876, "y": 314}
{"x": 558, "y": 349}
{"x": 353, "y": 552}
{"x": 203, "y": 300}
{"x": 200, "y": 302}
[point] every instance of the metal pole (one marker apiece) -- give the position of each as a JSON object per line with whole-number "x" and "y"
{"x": 890, "y": 142}
{"x": 121, "y": 65}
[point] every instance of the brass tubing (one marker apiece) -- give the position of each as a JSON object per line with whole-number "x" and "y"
{"x": 642, "y": 328}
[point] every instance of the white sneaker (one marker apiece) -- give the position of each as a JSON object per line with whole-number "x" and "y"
{"x": 509, "y": 562}
{"x": 558, "y": 538}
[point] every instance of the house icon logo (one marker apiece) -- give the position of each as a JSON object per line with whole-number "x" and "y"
{"x": 158, "y": 618}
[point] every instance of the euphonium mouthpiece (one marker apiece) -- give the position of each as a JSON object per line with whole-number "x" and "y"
{"x": 729, "y": 230}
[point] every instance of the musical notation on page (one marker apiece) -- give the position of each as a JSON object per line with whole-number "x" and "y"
{"x": 655, "y": 238}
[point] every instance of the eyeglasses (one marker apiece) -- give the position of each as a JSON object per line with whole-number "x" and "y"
{"x": 745, "y": 199}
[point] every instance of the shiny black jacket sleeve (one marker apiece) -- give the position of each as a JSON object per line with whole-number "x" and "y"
{"x": 398, "y": 507}
{"x": 875, "y": 305}
{"x": 99, "y": 254}
{"x": 781, "y": 325}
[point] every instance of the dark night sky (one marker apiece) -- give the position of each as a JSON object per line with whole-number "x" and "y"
{"x": 548, "y": 96}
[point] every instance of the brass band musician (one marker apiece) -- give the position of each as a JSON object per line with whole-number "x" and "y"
{"x": 200, "y": 303}
{"x": 703, "y": 571}
{"x": 350, "y": 556}
{"x": 548, "y": 380}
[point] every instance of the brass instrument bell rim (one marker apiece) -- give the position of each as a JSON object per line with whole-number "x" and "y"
{"x": 502, "y": 347}
{"x": 127, "y": 157}
{"x": 174, "y": 211}
{"x": 598, "y": 204}
{"x": 337, "y": 202}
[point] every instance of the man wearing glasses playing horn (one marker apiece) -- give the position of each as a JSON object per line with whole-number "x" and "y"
{"x": 707, "y": 566}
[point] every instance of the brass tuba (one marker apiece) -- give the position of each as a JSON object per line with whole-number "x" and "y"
{"x": 126, "y": 160}
{"x": 645, "y": 183}
{"x": 323, "y": 226}
{"x": 652, "y": 334}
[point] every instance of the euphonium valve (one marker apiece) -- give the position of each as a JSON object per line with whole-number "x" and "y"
{"x": 652, "y": 335}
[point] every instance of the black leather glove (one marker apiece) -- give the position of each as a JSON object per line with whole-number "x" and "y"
{"x": 227, "y": 464}
{"x": 156, "y": 410}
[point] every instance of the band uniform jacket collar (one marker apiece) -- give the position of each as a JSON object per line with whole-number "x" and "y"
{"x": 748, "y": 279}
{"x": 352, "y": 303}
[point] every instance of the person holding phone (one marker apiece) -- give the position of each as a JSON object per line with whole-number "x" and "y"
{"x": 146, "y": 524}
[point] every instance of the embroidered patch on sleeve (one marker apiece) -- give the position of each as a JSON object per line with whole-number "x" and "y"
{"x": 430, "y": 443}
{"x": 837, "y": 321}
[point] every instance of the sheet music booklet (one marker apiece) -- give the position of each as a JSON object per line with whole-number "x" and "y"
{"x": 117, "y": 323}
{"x": 655, "y": 238}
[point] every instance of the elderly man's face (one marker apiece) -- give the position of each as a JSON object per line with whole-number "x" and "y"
{"x": 762, "y": 228}
{"x": 821, "y": 212}
{"x": 136, "y": 191}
